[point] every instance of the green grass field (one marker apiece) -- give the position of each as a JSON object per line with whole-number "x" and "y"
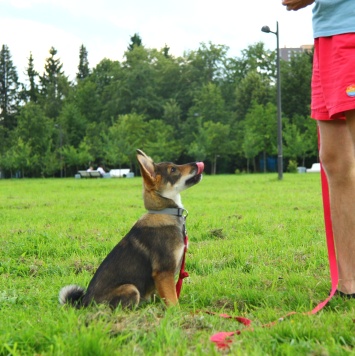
{"x": 257, "y": 249}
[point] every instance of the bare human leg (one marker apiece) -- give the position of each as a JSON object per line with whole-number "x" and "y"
{"x": 337, "y": 153}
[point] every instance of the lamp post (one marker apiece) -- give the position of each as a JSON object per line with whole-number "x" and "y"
{"x": 266, "y": 29}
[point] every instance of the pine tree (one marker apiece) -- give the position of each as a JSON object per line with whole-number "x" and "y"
{"x": 31, "y": 93}
{"x": 83, "y": 67}
{"x": 165, "y": 51}
{"x": 53, "y": 69}
{"x": 54, "y": 85}
{"x": 136, "y": 41}
{"x": 9, "y": 90}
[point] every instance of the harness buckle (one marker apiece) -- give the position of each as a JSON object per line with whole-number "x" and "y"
{"x": 184, "y": 213}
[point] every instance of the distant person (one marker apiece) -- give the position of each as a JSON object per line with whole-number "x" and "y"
{"x": 333, "y": 106}
{"x": 101, "y": 170}
{"x": 90, "y": 169}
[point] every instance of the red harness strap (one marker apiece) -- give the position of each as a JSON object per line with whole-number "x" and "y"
{"x": 183, "y": 274}
{"x": 223, "y": 339}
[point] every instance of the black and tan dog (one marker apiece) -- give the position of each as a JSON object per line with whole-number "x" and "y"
{"x": 147, "y": 259}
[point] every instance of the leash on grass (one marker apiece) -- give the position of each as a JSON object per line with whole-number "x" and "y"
{"x": 223, "y": 339}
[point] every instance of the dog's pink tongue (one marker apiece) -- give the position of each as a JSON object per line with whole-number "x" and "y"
{"x": 200, "y": 167}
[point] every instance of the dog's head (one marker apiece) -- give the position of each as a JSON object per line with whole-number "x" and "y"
{"x": 164, "y": 181}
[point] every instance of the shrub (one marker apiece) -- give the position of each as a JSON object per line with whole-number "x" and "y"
{"x": 292, "y": 166}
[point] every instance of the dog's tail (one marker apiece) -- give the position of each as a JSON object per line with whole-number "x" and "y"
{"x": 72, "y": 295}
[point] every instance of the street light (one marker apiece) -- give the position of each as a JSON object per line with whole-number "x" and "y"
{"x": 266, "y": 29}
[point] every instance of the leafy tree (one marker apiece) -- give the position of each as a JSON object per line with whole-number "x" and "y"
{"x": 300, "y": 144}
{"x": 7, "y": 159}
{"x": 260, "y": 128}
{"x": 3, "y": 140}
{"x": 19, "y": 157}
{"x": 253, "y": 88}
{"x": 211, "y": 141}
{"x": 84, "y": 158}
{"x": 83, "y": 67}
{"x": 104, "y": 73}
{"x": 72, "y": 124}
{"x": 203, "y": 104}
{"x": 9, "y": 90}
{"x": 87, "y": 99}
{"x": 172, "y": 115}
{"x": 36, "y": 130}
{"x": 101, "y": 95}
{"x": 94, "y": 141}
{"x": 208, "y": 62}
{"x": 167, "y": 74}
{"x": 117, "y": 148}
{"x": 50, "y": 161}
{"x": 251, "y": 146}
{"x": 255, "y": 58}
{"x": 140, "y": 82}
{"x": 160, "y": 141}
{"x": 123, "y": 138}
{"x": 296, "y": 85}
{"x": 76, "y": 157}
{"x": 198, "y": 68}
{"x": 209, "y": 104}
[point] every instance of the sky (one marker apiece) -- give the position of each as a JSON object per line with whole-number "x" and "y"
{"x": 105, "y": 27}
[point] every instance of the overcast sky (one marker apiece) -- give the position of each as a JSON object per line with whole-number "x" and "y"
{"x": 104, "y": 27}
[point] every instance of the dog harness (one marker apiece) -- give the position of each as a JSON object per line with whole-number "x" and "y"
{"x": 180, "y": 212}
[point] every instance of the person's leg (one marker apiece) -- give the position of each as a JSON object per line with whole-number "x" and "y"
{"x": 337, "y": 153}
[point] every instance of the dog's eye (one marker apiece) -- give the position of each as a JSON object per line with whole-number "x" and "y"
{"x": 172, "y": 169}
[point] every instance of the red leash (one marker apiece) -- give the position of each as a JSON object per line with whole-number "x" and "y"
{"x": 330, "y": 242}
{"x": 183, "y": 274}
{"x": 223, "y": 339}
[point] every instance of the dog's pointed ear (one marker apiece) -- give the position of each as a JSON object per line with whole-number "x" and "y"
{"x": 147, "y": 167}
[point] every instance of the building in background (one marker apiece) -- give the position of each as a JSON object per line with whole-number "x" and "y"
{"x": 286, "y": 53}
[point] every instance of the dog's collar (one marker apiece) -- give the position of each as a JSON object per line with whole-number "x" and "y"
{"x": 171, "y": 211}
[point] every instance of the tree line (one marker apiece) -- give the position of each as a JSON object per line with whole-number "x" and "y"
{"x": 203, "y": 105}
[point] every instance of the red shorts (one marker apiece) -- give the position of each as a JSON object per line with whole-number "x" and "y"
{"x": 333, "y": 78}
